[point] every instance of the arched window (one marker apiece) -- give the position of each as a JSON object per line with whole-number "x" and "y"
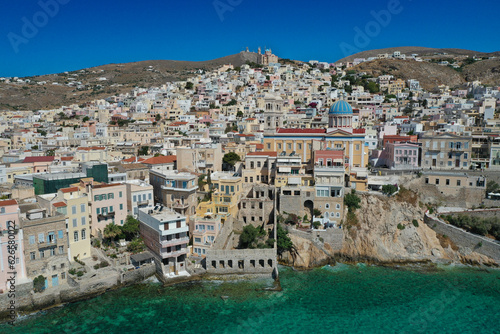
{"x": 75, "y": 236}
{"x": 84, "y": 234}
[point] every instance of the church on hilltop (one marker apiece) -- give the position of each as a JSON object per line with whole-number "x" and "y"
{"x": 266, "y": 58}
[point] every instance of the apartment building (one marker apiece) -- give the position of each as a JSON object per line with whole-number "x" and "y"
{"x": 445, "y": 151}
{"x": 108, "y": 204}
{"x": 165, "y": 233}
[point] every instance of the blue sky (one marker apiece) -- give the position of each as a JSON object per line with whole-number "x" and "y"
{"x": 79, "y": 34}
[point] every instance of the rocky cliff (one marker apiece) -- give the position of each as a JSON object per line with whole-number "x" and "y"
{"x": 384, "y": 231}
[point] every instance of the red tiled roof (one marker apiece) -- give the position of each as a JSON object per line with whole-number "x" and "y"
{"x": 167, "y": 159}
{"x": 268, "y": 153}
{"x": 259, "y": 146}
{"x": 8, "y": 202}
{"x": 132, "y": 159}
{"x": 178, "y": 123}
{"x": 59, "y": 204}
{"x": 66, "y": 158}
{"x": 358, "y": 130}
{"x": 91, "y": 148}
{"x": 69, "y": 190}
{"x": 301, "y": 130}
{"x": 38, "y": 159}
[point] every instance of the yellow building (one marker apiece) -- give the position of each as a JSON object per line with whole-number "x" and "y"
{"x": 305, "y": 141}
{"x": 227, "y": 190}
{"x": 78, "y": 222}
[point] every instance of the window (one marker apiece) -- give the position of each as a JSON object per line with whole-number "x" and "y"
{"x": 83, "y": 220}
{"x": 63, "y": 275}
{"x": 52, "y": 252}
{"x": 465, "y": 164}
{"x": 135, "y": 198}
{"x": 60, "y": 234}
{"x": 299, "y": 146}
{"x": 82, "y": 208}
{"x": 458, "y": 183}
{"x": 427, "y": 180}
{"x": 98, "y": 210}
{"x": 75, "y": 222}
{"x": 96, "y": 198}
{"x": 149, "y": 196}
{"x": 41, "y": 237}
{"x": 449, "y": 163}
{"x": 32, "y": 256}
{"x": 120, "y": 194}
{"x": 357, "y": 147}
{"x": 73, "y": 209}
{"x": 84, "y": 234}
{"x": 327, "y": 206}
{"x": 338, "y": 214}
{"x": 121, "y": 206}
{"x": 337, "y": 206}
{"x": 75, "y": 236}
{"x": 465, "y": 155}
{"x": 103, "y": 197}
{"x": 466, "y": 145}
{"x": 111, "y": 196}
{"x": 279, "y": 146}
{"x": 197, "y": 239}
{"x": 447, "y": 182}
{"x": 61, "y": 249}
{"x": 437, "y": 181}
{"x": 51, "y": 238}
{"x": 42, "y": 254}
{"x": 32, "y": 239}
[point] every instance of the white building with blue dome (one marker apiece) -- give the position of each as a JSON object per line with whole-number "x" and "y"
{"x": 340, "y": 115}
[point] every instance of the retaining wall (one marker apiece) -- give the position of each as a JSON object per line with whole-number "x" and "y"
{"x": 463, "y": 238}
{"x": 241, "y": 261}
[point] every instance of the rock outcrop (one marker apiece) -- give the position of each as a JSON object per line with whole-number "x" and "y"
{"x": 308, "y": 254}
{"x": 391, "y": 231}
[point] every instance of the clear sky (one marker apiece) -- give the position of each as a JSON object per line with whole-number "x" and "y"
{"x": 50, "y": 36}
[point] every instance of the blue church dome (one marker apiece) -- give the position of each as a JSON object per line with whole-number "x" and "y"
{"x": 340, "y": 107}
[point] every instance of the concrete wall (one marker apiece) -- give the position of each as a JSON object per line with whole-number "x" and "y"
{"x": 241, "y": 261}
{"x": 333, "y": 236}
{"x": 464, "y": 239}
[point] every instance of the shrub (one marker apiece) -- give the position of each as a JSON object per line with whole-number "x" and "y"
{"x": 72, "y": 271}
{"x": 389, "y": 189}
{"x": 479, "y": 244}
{"x": 415, "y": 222}
{"x": 79, "y": 273}
{"x": 316, "y": 224}
{"x": 401, "y": 226}
{"x": 352, "y": 201}
{"x": 39, "y": 283}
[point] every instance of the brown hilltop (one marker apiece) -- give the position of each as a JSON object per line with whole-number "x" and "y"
{"x": 120, "y": 78}
{"x": 430, "y": 75}
{"x": 486, "y": 71}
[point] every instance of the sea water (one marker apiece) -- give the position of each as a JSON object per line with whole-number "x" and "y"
{"x": 338, "y": 299}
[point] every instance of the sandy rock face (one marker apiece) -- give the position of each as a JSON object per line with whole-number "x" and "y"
{"x": 308, "y": 254}
{"x": 377, "y": 238}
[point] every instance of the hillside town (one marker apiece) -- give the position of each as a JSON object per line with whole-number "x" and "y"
{"x": 172, "y": 176}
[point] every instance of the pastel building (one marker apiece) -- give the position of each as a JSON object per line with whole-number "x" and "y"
{"x": 108, "y": 204}
{"x": 205, "y": 232}
{"x": 402, "y": 155}
{"x": 165, "y": 233}
{"x": 139, "y": 196}
{"x": 10, "y": 226}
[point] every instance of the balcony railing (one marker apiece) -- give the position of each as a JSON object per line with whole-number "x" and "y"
{"x": 180, "y": 205}
{"x": 174, "y": 242}
{"x": 165, "y": 255}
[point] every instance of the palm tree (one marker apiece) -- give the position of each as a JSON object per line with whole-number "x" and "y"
{"x": 111, "y": 231}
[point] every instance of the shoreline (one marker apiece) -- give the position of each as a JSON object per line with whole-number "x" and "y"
{"x": 418, "y": 266}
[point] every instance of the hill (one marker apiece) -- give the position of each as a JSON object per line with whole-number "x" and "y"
{"x": 430, "y": 75}
{"x": 104, "y": 81}
{"x": 421, "y": 51}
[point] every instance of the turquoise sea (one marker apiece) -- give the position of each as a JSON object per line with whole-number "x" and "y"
{"x": 339, "y": 299}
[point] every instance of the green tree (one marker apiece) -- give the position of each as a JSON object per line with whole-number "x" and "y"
{"x": 50, "y": 153}
{"x": 239, "y": 113}
{"x": 389, "y": 189}
{"x": 39, "y": 283}
{"x": 352, "y": 201}
{"x": 189, "y": 85}
{"x": 136, "y": 246}
{"x": 85, "y": 119}
{"x": 157, "y": 117}
{"x": 372, "y": 87}
{"x": 131, "y": 227}
{"x": 284, "y": 243}
{"x": 112, "y": 231}
{"x": 143, "y": 150}
{"x": 249, "y": 236}
{"x": 34, "y": 147}
{"x": 42, "y": 132}
{"x": 231, "y": 158}
{"x": 492, "y": 186}
{"x": 316, "y": 212}
{"x": 233, "y": 102}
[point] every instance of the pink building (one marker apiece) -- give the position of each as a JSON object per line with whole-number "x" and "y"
{"x": 204, "y": 234}
{"x": 11, "y": 246}
{"x": 108, "y": 204}
{"x": 402, "y": 155}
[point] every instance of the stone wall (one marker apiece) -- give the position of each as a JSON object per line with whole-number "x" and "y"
{"x": 241, "y": 261}
{"x": 140, "y": 274}
{"x": 333, "y": 236}
{"x": 465, "y": 239}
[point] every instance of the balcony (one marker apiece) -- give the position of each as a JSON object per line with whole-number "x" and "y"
{"x": 174, "y": 242}
{"x": 165, "y": 254}
{"x": 106, "y": 215}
